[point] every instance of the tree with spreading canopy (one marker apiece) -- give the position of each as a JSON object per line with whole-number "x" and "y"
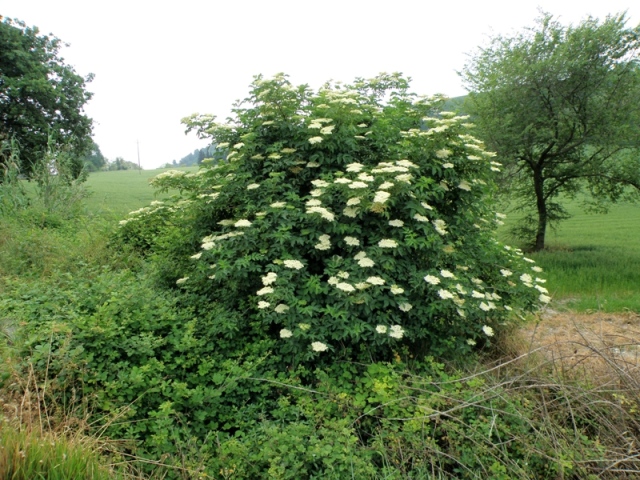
{"x": 559, "y": 104}
{"x": 42, "y": 98}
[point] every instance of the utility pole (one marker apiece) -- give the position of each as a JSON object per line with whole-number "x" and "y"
{"x": 139, "y": 167}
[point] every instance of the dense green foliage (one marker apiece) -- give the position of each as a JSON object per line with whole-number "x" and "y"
{"x": 41, "y": 97}
{"x": 350, "y": 220}
{"x": 557, "y": 103}
{"x": 154, "y": 369}
{"x": 94, "y": 160}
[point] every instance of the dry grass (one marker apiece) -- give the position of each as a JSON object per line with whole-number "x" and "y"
{"x": 598, "y": 348}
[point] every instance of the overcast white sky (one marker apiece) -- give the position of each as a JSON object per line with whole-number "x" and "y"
{"x": 157, "y": 62}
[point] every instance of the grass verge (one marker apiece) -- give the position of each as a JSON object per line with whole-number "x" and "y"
{"x": 592, "y": 261}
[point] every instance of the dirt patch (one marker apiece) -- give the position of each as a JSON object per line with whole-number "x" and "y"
{"x": 594, "y": 346}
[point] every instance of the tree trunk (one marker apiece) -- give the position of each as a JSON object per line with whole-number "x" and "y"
{"x": 541, "y": 204}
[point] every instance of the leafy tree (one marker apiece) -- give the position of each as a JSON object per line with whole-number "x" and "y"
{"x": 94, "y": 160}
{"x": 355, "y": 219}
{"x": 559, "y": 104}
{"x": 121, "y": 164}
{"x": 41, "y": 97}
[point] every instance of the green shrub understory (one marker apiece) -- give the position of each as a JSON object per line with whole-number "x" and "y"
{"x": 147, "y": 367}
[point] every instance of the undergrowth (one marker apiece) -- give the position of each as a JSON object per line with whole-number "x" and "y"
{"x": 154, "y": 379}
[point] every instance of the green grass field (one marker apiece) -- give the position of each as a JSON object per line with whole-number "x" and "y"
{"x": 592, "y": 261}
{"x": 120, "y": 192}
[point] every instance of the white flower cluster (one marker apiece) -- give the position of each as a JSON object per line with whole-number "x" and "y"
{"x": 387, "y": 243}
{"x": 350, "y": 212}
{"x": 207, "y": 243}
{"x": 365, "y": 177}
{"x": 286, "y": 333}
{"x": 430, "y": 279}
{"x": 363, "y": 260}
{"x": 443, "y": 153}
{"x": 168, "y": 174}
{"x": 396, "y": 331}
{"x": 405, "y": 178}
{"x": 269, "y": 278}
{"x": 345, "y": 287}
{"x": 381, "y": 196}
{"x": 464, "y": 185}
{"x": 325, "y": 243}
{"x": 319, "y": 347}
{"x": 322, "y": 211}
{"x": 445, "y": 294}
{"x": 242, "y": 223}
{"x": 211, "y": 196}
{"x": 352, "y": 241}
{"x": 224, "y": 236}
{"x": 294, "y": 264}
{"x": 440, "y": 226}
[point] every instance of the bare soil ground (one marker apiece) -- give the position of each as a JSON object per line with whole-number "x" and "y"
{"x": 591, "y": 346}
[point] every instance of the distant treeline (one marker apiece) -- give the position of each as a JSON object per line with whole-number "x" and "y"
{"x": 95, "y": 161}
{"x": 194, "y": 158}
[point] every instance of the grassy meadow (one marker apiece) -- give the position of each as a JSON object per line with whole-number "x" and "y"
{"x": 119, "y": 192}
{"x": 592, "y": 261}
